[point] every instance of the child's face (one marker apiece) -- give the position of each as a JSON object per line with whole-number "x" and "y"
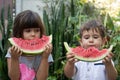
{"x": 31, "y": 33}
{"x": 92, "y": 38}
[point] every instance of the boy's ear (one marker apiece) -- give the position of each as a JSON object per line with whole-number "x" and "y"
{"x": 105, "y": 40}
{"x": 80, "y": 42}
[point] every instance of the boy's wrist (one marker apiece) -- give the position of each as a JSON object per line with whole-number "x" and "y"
{"x": 70, "y": 63}
{"x": 107, "y": 64}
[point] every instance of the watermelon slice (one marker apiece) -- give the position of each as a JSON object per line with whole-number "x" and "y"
{"x": 91, "y": 54}
{"x": 34, "y": 46}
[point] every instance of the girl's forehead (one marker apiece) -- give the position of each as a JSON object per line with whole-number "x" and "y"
{"x": 32, "y": 28}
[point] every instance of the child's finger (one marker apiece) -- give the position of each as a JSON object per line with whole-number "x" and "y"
{"x": 70, "y": 56}
{"x": 72, "y": 60}
{"x": 107, "y": 59}
{"x": 111, "y": 55}
{"x": 49, "y": 47}
{"x": 76, "y": 60}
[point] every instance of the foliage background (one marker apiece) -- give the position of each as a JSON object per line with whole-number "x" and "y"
{"x": 5, "y": 31}
{"x": 63, "y": 19}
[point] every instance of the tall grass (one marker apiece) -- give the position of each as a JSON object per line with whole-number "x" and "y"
{"x": 5, "y": 30}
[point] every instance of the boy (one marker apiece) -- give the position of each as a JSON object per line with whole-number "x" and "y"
{"x": 92, "y": 34}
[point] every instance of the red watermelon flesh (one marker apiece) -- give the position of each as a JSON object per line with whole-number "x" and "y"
{"x": 34, "y": 46}
{"x": 90, "y": 54}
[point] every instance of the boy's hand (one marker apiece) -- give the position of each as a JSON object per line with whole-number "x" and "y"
{"x": 15, "y": 52}
{"x": 71, "y": 58}
{"x": 107, "y": 59}
{"x": 47, "y": 51}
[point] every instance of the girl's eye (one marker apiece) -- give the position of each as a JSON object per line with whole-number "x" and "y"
{"x": 27, "y": 30}
{"x": 37, "y": 30}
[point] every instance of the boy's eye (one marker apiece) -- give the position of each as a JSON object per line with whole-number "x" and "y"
{"x": 96, "y": 37}
{"x": 86, "y": 37}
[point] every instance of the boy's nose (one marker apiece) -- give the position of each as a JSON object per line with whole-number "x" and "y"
{"x": 91, "y": 40}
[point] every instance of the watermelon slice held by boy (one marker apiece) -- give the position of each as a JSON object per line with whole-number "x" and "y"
{"x": 91, "y": 54}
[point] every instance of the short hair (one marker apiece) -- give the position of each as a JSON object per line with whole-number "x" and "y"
{"x": 27, "y": 19}
{"x": 93, "y": 25}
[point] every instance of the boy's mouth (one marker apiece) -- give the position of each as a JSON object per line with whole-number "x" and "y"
{"x": 91, "y": 45}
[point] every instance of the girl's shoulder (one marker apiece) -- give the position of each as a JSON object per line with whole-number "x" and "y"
{"x": 8, "y": 53}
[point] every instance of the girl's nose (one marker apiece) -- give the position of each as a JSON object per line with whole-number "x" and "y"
{"x": 32, "y": 33}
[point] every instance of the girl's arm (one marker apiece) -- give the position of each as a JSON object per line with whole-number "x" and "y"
{"x": 69, "y": 69}
{"x": 110, "y": 69}
{"x": 13, "y": 63}
{"x": 42, "y": 72}
{"x": 13, "y": 69}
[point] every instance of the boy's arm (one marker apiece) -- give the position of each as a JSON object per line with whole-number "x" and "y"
{"x": 110, "y": 69}
{"x": 69, "y": 70}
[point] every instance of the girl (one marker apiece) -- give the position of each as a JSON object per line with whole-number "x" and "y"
{"x": 92, "y": 34}
{"x": 28, "y": 25}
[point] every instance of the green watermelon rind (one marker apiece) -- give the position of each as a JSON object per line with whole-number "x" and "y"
{"x": 31, "y": 52}
{"x": 88, "y": 59}
{"x": 67, "y": 47}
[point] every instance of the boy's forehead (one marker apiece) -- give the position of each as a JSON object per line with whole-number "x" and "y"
{"x": 91, "y": 31}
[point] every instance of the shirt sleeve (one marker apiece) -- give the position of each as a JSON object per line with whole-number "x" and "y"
{"x": 50, "y": 58}
{"x": 76, "y": 71}
{"x": 8, "y": 54}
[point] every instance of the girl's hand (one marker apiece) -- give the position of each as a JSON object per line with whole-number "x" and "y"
{"x": 15, "y": 52}
{"x": 107, "y": 59}
{"x": 71, "y": 58}
{"x": 47, "y": 51}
